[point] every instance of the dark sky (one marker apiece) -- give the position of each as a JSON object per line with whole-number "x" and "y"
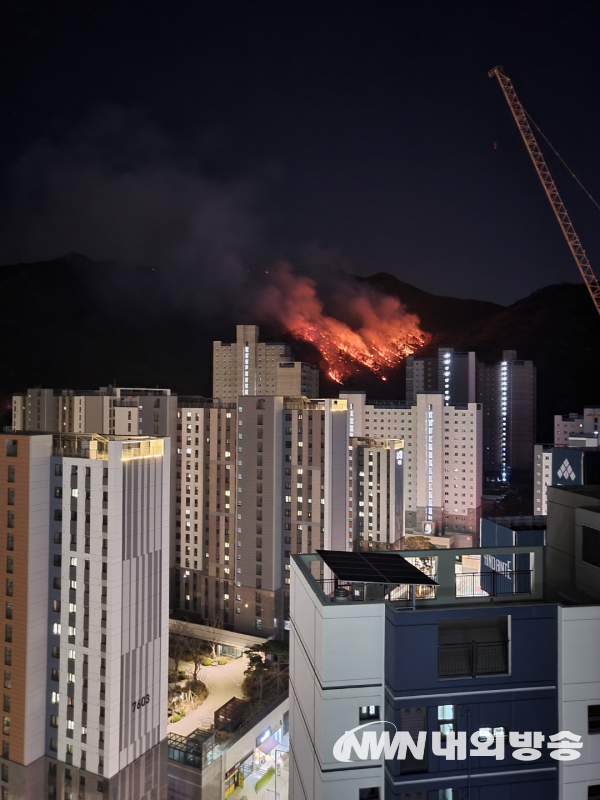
{"x": 361, "y": 134}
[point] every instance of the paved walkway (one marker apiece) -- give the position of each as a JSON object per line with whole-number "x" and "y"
{"x": 224, "y": 683}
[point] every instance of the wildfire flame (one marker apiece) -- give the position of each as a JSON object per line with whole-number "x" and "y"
{"x": 382, "y": 334}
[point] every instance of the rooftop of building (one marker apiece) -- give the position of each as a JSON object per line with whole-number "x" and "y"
{"x": 457, "y": 577}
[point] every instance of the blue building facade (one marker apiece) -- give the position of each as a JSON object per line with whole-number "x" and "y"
{"x": 466, "y": 670}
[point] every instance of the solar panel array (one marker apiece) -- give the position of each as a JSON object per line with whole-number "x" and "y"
{"x": 379, "y": 567}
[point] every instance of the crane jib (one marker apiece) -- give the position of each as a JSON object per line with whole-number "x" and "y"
{"x": 545, "y": 177}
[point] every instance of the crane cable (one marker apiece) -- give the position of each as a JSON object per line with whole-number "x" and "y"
{"x": 560, "y": 158}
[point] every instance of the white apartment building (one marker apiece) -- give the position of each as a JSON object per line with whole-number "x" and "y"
{"x": 442, "y": 459}
{"x": 376, "y": 492}
{"x": 110, "y": 411}
{"x": 573, "y": 425}
{"x": 204, "y": 542}
{"x": 90, "y": 588}
{"x": 291, "y": 497}
{"x": 108, "y": 649}
{"x": 250, "y": 367}
{"x": 542, "y": 477}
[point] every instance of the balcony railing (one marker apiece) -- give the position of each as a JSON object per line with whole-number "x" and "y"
{"x": 472, "y": 660}
{"x": 494, "y": 584}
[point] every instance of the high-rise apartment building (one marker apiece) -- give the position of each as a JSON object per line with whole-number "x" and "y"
{"x": 567, "y": 426}
{"x": 250, "y": 367}
{"x": 376, "y": 493}
{"x": 257, "y": 481}
{"x": 448, "y": 372}
{"x": 204, "y": 543}
{"x": 441, "y": 455}
{"x": 507, "y": 393}
{"x": 86, "y": 650}
{"x": 110, "y": 411}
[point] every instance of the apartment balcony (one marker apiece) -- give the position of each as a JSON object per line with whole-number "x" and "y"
{"x": 472, "y": 660}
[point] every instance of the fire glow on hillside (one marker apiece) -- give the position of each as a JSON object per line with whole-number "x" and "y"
{"x": 379, "y": 334}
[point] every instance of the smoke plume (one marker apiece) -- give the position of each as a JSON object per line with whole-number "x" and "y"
{"x": 368, "y": 329}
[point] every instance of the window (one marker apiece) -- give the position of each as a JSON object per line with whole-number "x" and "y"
{"x": 6, "y": 726}
{"x": 593, "y": 719}
{"x": 53, "y": 721}
{"x": 9, "y": 587}
{"x": 473, "y": 647}
{"x": 53, "y": 745}
{"x": 10, "y": 519}
{"x": 9, "y": 610}
{"x": 9, "y": 564}
{"x": 11, "y": 497}
{"x": 5, "y": 750}
{"x": 7, "y": 679}
{"x": 11, "y": 474}
{"x": 58, "y": 469}
{"x": 11, "y": 447}
{"x": 8, "y": 633}
{"x": 372, "y": 793}
{"x": 6, "y": 704}
{"x": 10, "y": 541}
{"x": 590, "y": 545}
{"x": 368, "y": 713}
{"x": 55, "y": 651}
{"x": 445, "y": 715}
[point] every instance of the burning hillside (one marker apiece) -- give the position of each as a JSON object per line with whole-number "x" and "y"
{"x": 376, "y": 331}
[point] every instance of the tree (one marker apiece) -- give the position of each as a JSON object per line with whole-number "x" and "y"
{"x": 196, "y": 650}
{"x": 268, "y": 666}
{"x": 214, "y": 635}
{"x": 179, "y": 641}
{"x": 418, "y": 543}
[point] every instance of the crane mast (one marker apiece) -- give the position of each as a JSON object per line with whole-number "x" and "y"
{"x": 549, "y": 186}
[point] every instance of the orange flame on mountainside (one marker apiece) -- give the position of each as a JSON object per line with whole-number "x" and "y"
{"x": 382, "y": 335}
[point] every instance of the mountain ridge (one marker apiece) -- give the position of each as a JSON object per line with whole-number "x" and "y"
{"x": 74, "y": 322}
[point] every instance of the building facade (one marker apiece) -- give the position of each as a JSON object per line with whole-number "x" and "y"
{"x": 573, "y": 425}
{"x": 441, "y": 460}
{"x": 507, "y": 393}
{"x": 501, "y": 645}
{"x": 98, "y": 645}
{"x": 250, "y": 367}
{"x": 376, "y": 493}
{"x": 448, "y": 372}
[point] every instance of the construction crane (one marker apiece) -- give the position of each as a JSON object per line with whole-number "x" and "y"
{"x": 549, "y": 186}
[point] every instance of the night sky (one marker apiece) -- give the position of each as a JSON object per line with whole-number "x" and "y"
{"x": 194, "y": 135}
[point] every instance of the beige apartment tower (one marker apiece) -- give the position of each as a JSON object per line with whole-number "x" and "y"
{"x": 250, "y": 367}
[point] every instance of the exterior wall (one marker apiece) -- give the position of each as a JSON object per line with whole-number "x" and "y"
{"x": 524, "y": 700}
{"x": 113, "y": 630}
{"x": 564, "y": 426}
{"x": 561, "y": 551}
{"x": 25, "y": 610}
{"x": 376, "y": 506}
{"x": 291, "y": 498}
{"x": 579, "y": 687}
{"x": 542, "y": 478}
{"x": 328, "y": 685}
{"x": 507, "y": 392}
{"x": 455, "y": 452}
{"x": 204, "y": 544}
